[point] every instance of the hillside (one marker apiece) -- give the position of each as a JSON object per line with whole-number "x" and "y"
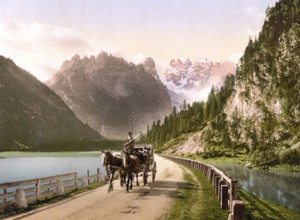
{"x": 106, "y": 92}
{"x": 33, "y": 116}
{"x": 266, "y": 103}
{"x": 257, "y": 111}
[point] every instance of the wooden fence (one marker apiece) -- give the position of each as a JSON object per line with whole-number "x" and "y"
{"x": 225, "y": 188}
{"x": 19, "y": 194}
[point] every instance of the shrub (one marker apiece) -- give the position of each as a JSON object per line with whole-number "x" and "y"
{"x": 290, "y": 156}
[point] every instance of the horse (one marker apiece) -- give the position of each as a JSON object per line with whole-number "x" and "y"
{"x": 112, "y": 164}
{"x": 131, "y": 164}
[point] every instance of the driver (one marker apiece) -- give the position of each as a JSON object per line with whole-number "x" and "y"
{"x": 129, "y": 147}
{"x": 129, "y": 143}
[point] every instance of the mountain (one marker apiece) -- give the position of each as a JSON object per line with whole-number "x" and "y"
{"x": 264, "y": 111}
{"x": 32, "y": 115}
{"x": 106, "y": 92}
{"x": 193, "y": 80}
{"x": 257, "y": 111}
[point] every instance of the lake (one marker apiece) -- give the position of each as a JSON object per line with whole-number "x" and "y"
{"x": 15, "y": 166}
{"x": 280, "y": 187}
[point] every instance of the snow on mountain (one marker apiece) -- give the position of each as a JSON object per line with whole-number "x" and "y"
{"x": 193, "y": 80}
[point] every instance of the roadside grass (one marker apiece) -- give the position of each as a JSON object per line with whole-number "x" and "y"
{"x": 196, "y": 200}
{"x": 259, "y": 209}
{"x": 47, "y": 201}
{"x": 241, "y": 159}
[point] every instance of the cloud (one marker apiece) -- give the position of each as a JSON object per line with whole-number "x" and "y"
{"x": 41, "y": 49}
{"x": 251, "y": 11}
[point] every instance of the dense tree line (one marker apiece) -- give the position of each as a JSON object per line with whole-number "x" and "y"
{"x": 190, "y": 117}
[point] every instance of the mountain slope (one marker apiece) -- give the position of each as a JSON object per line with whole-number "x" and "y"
{"x": 33, "y": 115}
{"x": 258, "y": 110}
{"x": 106, "y": 92}
{"x": 266, "y": 103}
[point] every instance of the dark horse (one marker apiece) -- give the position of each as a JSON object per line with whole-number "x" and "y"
{"x": 131, "y": 164}
{"x": 112, "y": 164}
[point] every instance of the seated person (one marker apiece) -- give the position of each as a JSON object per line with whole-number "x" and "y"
{"x": 129, "y": 143}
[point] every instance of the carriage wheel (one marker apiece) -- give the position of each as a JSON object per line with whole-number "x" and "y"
{"x": 153, "y": 171}
{"x": 145, "y": 177}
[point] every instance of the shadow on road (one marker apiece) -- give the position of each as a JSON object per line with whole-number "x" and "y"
{"x": 163, "y": 188}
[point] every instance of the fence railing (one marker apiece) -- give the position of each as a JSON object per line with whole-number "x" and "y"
{"x": 225, "y": 188}
{"x": 20, "y": 193}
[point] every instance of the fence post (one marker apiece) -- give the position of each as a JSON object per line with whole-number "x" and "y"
{"x": 217, "y": 179}
{"x": 4, "y": 192}
{"x": 38, "y": 189}
{"x": 214, "y": 179}
{"x": 211, "y": 175}
{"x": 21, "y": 201}
{"x": 237, "y": 210}
{"x": 224, "y": 196}
{"x": 100, "y": 178}
{"x": 76, "y": 181}
{"x": 88, "y": 174}
{"x": 233, "y": 191}
{"x": 221, "y": 182}
{"x": 84, "y": 182}
{"x": 60, "y": 190}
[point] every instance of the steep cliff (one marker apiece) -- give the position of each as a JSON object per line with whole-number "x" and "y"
{"x": 264, "y": 111}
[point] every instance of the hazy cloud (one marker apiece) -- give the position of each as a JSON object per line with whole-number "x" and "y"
{"x": 41, "y": 49}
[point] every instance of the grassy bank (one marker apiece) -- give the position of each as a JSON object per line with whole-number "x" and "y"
{"x": 259, "y": 209}
{"x": 241, "y": 159}
{"x": 196, "y": 200}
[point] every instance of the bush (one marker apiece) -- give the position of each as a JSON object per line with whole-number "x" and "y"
{"x": 264, "y": 158}
{"x": 290, "y": 156}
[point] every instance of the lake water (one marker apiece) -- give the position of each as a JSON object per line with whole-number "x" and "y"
{"x": 36, "y": 166}
{"x": 278, "y": 187}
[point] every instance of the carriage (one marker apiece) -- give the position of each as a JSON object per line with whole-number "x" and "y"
{"x": 149, "y": 164}
{"x": 122, "y": 164}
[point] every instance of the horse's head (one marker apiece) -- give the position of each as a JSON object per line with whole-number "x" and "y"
{"x": 106, "y": 158}
{"x": 126, "y": 158}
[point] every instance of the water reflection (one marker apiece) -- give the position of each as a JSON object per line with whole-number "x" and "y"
{"x": 275, "y": 186}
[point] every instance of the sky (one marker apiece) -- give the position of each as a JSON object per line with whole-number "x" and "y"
{"x": 39, "y": 35}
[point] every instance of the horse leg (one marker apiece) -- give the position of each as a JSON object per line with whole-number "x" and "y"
{"x": 110, "y": 181}
{"x": 124, "y": 179}
{"x": 137, "y": 179}
{"x": 121, "y": 178}
{"x": 131, "y": 177}
{"x": 127, "y": 183}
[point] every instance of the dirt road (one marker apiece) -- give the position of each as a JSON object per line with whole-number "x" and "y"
{"x": 144, "y": 202}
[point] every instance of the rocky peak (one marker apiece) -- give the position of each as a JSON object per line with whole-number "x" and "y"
{"x": 185, "y": 75}
{"x": 107, "y": 92}
{"x": 149, "y": 66}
